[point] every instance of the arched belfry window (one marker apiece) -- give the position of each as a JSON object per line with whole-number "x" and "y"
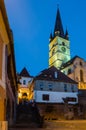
{"x": 63, "y": 43}
{"x": 81, "y": 75}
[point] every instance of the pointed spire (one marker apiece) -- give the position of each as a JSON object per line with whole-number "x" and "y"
{"x": 66, "y": 35}
{"x": 58, "y": 30}
{"x": 51, "y": 37}
{"x": 24, "y": 73}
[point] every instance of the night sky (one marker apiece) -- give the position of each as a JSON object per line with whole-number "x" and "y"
{"x": 32, "y": 21}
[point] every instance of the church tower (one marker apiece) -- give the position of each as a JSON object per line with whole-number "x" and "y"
{"x": 59, "y": 46}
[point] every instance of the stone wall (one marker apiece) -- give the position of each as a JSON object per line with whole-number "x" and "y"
{"x": 56, "y": 111}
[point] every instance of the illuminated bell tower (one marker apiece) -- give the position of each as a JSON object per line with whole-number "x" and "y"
{"x": 59, "y": 46}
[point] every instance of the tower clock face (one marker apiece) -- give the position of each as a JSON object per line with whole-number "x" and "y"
{"x": 63, "y": 49}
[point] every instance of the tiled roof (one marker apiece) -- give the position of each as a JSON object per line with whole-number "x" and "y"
{"x": 69, "y": 62}
{"x": 24, "y": 73}
{"x": 54, "y": 75}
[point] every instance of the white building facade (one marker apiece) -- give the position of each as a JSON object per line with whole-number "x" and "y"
{"x": 55, "y": 92}
{"x": 50, "y": 89}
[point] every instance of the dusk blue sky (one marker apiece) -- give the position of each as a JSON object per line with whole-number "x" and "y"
{"x": 32, "y": 21}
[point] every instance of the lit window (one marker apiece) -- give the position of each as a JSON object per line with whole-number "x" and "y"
{"x": 65, "y": 87}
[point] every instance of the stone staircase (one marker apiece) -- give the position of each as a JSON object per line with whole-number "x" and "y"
{"x": 28, "y": 116}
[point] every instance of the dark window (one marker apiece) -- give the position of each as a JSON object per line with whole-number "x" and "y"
{"x": 81, "y": 75}
{"x": 41, "y": 86}
{"x": 65, "y": 87}
{"x": 63, "y": 43}
{"x": 80, "y": 63}
{"x": 24, "y": 82}
{"x": 50, "y": 86}
{"x": 69, "y": 71}
{"x": 45, "y": 97}
{"x": 72, "y": 88}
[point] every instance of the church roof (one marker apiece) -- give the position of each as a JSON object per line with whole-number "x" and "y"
{"x": 53, "y": 74}
{"x": 58, "y": 25}
{"x": 70, "y": 62}
{"x": 24, "y": 73}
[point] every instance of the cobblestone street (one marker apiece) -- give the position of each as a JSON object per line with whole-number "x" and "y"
{"x": 59, "y": 125}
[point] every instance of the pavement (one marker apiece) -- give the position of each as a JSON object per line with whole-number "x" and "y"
{"x": 58, "y": 125}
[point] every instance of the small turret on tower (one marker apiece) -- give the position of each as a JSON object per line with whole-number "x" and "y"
{"x": 66, "y": 35}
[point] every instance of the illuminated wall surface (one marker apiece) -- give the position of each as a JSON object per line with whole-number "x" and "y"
{"x": 3, "y": 40}
{"x": 23, "y": 88}
{"x": 21, "y": 91}
{"x": 2, "y": 102}
{"x": 76, "y": 70}
{"x": 3, "y": 30}
{"x": 59, "y": 52}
